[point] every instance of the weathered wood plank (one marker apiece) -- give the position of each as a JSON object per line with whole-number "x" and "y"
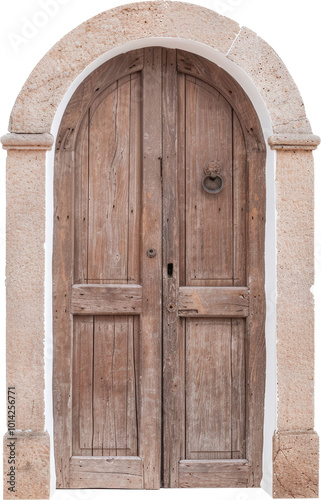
{"x": 238, "y": 401}
{"x": 151, "y": 319}
{"x": 103, "y": 472}
{"x": 239, "y": 203}
{"x": 81, "y": 203}
{"x": 106, "y": 299}
{"x": 83, "y": 335}
{"x": 213, "y": 301}
{"x": 255, "y": 323}
{"x": 213, "y": 474}
{"x": 135, "y": 178}
{"x": 181, "y": 176}
{"x": 62, "y": 264}
{"x": 173, "y": 388}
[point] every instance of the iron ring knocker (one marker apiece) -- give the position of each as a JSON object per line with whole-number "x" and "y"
{"x": 212, "y": 182}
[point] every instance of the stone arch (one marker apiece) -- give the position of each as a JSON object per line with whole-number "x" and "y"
{"x": 39, "y": 98}
{"x": 30, "y": 125}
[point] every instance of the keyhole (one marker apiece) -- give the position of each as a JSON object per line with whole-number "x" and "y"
{"x": 170, "y": 269}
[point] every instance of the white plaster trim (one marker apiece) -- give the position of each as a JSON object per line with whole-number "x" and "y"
{"x": 270, "y": 236}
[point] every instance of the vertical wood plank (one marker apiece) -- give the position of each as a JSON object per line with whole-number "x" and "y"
{"x": 135, "y": 180}
{"x": 151, "y": 319}
{"x": 181, "y": 174}
{"x": 240, "y": 197}
{"x": 81, "y": 203}
{"x": 181, "y": 186}
{"x": 131, "y": 420}
{"x": 62, "y": 320}
{"x": 83, "y": 337}
{"x": 239, "y": 203}
{"x": 103, "y": 403}
{"x": 255, "y": 323}
{"x": 238, "y": 422}
{"x": 172, "y": 325}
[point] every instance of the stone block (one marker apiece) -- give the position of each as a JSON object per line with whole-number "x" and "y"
{"x": 31, "y": 476}
{"x": 295, "y": 464}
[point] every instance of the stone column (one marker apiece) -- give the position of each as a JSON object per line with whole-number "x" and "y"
{"x": 25, "y": 275}
{"x": 295, "y": 444}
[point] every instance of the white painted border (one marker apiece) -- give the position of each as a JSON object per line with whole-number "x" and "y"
{"x": 270, "y": 238}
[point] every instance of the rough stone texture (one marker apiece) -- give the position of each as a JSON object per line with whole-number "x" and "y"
{"x": 272, "y": 80}
{"x": 38, "y": 100}
{"x": 295, "y": 469}
{"x": 27, "y": 141}
{"x": 295, "y": 275}
{"x": 32, "y": 462}
{"x": 294, "y": 141}
{"x": 25, "y": 270}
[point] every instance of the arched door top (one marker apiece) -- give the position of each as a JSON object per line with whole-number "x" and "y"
{"x": 42, "y": 93}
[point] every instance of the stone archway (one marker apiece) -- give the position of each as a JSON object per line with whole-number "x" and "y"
{"x": 295, "y": 463}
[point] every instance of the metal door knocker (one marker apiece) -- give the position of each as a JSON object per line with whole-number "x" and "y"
{"x": 212, "y": 182}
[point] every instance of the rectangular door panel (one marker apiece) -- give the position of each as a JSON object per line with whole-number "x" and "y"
{"x": 208, "y": 388}
{"x": 104, "y": 382}
{"x": 108, "y": 187}
{"x": 209, "y": 223}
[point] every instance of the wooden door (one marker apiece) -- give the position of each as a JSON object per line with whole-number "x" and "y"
{"x": 158, "y": 278}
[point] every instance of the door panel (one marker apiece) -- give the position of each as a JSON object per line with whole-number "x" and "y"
{"x": 209, "y": 224}
{"x": 158, "y": 289}
{"x": 208, "y": 388}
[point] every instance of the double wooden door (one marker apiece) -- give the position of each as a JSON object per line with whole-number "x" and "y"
{"x": 158, "y": 278}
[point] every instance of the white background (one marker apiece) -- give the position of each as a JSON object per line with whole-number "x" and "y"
{"x": 291, "y": 27}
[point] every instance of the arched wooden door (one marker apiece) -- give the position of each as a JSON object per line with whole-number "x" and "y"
{"x": 158, "y": 278}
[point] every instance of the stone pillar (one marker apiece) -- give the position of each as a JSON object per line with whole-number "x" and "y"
{"x": 295, "y": 444}
{"x": 25, "y": 275}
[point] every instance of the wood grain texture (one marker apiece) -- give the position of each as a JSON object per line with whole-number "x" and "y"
{"x": 151, "y": 318}
{"x": 81, "y": 166}
{"x": 255, "y": 324}
{"x": 109, "y": 155}
{"x": 213, "y": 474}
{"x": 106, "y": 299}
{"x": 114, "y": 408}
{"x": 213, "y": 301}
{"x": 173, "y": 388}
{"x": 83, "y": 370}
{"x": 209, "y": 241}
{"x": 111, "y": 472}
{"x": 62, "y": 320}
{"x": 238, "y": 388}
{"x": 208, "y": 389}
